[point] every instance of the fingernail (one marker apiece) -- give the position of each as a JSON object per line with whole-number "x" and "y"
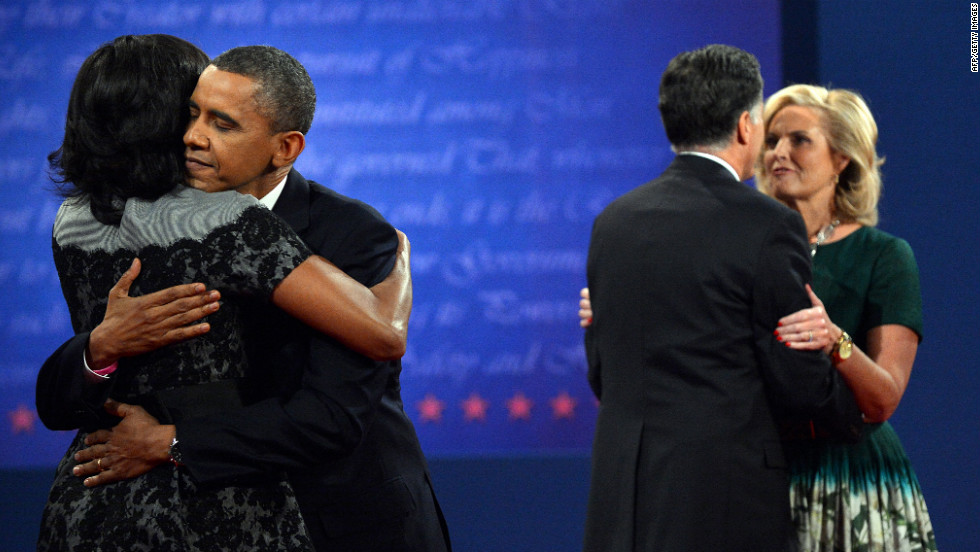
{"x": 76, "y": 470}
{"x": 779, "y": 324}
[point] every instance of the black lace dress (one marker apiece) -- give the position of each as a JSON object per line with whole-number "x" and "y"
{"x": 231, "y": 243}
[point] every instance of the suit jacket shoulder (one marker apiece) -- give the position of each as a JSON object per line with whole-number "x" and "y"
{"x": 347, "y": 231}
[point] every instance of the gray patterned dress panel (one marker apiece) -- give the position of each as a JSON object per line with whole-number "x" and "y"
{"x": 229, "y": 242}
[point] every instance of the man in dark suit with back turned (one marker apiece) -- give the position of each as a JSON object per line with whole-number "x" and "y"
{"x": 337, "y": 425}
{"x": 689, "y": 275}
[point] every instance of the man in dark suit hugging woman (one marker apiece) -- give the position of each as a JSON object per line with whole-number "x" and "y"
{"x": 688, "y": 276}
{"x": 332, "y": 418}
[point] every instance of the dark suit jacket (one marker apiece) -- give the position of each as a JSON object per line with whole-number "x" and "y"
{"x": 688, "y": 276}
{"x": 335, "y": 422}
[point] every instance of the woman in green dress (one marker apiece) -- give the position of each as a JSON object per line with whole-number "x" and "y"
{"x": 819, "y": 158}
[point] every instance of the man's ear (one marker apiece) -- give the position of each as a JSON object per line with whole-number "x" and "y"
{"x": 291, "y": 144}
{"x": 745, "y": 128}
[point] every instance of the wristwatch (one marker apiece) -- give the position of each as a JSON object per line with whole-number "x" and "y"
{"x": 843, "y": 348}
{"x": 175, "y": 457}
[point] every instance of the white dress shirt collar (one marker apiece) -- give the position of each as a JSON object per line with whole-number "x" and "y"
{"x": 270, "y": 199}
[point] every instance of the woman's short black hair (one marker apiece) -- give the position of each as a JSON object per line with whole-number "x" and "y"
{"x": 126, "y": 118}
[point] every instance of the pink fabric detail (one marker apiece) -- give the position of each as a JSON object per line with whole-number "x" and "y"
{"x": 107, "y": 370}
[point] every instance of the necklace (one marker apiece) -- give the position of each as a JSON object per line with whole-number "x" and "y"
{"x": 823, "y": 235}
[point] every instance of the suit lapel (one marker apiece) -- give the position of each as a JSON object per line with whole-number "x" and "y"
{"x": 293, "y": 205}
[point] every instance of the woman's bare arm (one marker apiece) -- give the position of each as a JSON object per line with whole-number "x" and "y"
{"x": 878, "y": 377}
{"x": 371, "y": 321}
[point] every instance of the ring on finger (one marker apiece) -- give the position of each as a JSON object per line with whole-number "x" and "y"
{"x": 98, "y": 464}
{"x": 811, "y": 336}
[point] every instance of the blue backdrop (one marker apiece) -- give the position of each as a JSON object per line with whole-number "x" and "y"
{"x": 490, "y": 132}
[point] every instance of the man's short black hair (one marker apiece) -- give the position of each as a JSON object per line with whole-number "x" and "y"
{"x": 705, "y": 91}
{"x": 285, "y": 93}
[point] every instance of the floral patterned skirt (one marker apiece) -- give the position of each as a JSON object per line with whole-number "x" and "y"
{"x": 860, "y": 497}
{"x": 165, "y": 511}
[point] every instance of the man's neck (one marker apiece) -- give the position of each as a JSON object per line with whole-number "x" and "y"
{"x": 739, "y": 155}
{"x": 265, "y": 183}
{"x": 714, "y": 157}
{"x": 270, "y": 199}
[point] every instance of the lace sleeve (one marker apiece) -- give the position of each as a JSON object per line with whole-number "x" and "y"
{"x": 255, "y": 252}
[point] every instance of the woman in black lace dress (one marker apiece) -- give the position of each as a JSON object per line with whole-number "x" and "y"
{"x": 122, "y": 160}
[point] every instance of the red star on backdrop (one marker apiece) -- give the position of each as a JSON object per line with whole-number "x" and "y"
{"x": 430, "y": 408}
{"x": 519, "y": 407}
{"x": 563, "y": 406}
{"x": 475, "y": 408}
{"x": 21, "y": 419}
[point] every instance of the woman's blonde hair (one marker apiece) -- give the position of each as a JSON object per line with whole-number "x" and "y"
{"x": 851, "y": 131}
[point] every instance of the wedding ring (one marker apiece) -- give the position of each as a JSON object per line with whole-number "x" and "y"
{"x": 811, "y": 336}
{"x": 98, "y": 464}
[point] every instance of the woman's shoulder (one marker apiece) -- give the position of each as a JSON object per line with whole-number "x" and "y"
{"x": 225, "y": 205}
{"x": 883, "y": 256}
{"x": 73, "y": 211}
{"x": 76, "y": 226}
{"x": 873, "y": 239}
{"x": 184, "y": 213}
